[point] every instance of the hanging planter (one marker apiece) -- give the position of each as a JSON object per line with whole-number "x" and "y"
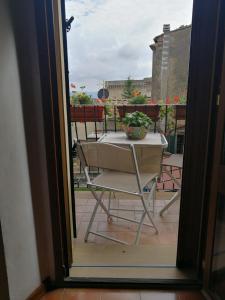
{"x": 87, "y": 113}
{"x": 152, "y": 111}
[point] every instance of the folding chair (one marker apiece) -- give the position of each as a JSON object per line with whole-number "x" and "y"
{"x": 172, "y": 161}
{"x": 120, "y": 173}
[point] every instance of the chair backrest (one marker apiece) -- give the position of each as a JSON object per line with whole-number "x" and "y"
{"x": 106, "y": 156}
{"x": 149, "y": 158}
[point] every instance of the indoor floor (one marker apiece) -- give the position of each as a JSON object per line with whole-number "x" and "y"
{"x": 106, "y": 294}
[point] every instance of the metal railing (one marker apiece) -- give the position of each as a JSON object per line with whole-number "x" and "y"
{"x": 91, "y": 122}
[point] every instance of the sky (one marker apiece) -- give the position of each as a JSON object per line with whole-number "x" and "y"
{"x": 109, "y": 39}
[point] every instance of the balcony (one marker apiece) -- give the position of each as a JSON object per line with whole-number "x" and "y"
{"x": 90, "y": 127}
{"x": 171, "y": 122}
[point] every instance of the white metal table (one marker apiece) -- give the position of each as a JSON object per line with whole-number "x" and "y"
{"x": 119, "y": 138}
{"x": 145, "y": 157}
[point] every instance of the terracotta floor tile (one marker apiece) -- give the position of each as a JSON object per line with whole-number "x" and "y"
{"x": 104, "y": 226}
{"x": 120, "y": 295}
{"x": 167, "y": 224}
{"x": 82, "y": 294}
{"x": 184, "y": 295}
{"x": 81, "y": 202}
{"x": 54, "y": 295}
{"x": 84, "y": 208}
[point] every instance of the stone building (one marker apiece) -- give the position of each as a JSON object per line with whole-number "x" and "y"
{"x": 171, "y": 51}
{"x": 116, "y": 87}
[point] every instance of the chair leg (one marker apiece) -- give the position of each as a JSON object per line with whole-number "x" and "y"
{"x": 148, "y": 214}
{"x": 100, "y": 202}
{"x": 109, "y": 204}
{"x": 98, "y": 199}
{"x": 139, "y": 228}
{"x": 152, "y": 196}
{"x": 154, "y": 199}
{"x": 173, "y": 199}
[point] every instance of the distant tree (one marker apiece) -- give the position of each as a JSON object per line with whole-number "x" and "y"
{"x": 129, "y": 89}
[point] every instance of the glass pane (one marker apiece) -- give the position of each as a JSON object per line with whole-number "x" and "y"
{"x": 124, "y": 57}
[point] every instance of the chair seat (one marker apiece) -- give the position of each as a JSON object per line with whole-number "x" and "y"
{"x": 123, "y": 181}
{"x": 174, "y": 160}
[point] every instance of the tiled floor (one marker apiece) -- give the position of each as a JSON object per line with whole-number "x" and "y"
{"x": 101, "y": 294}
{"x": 120, "y": 229}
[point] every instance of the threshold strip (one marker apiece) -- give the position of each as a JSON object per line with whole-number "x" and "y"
{"x": 124, "y": 266}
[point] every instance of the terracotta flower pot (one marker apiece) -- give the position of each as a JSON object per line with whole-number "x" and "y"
{"x": 152, "y": 111}
{"x": 90, "y": 113}
{"x": 135, "y": 133}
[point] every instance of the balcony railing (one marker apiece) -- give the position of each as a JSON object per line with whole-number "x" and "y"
{"x": 92, "y": 121}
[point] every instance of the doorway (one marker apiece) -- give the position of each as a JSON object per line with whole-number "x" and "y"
{"x": 108, "y": 91}
{"x": 182, "y": 255}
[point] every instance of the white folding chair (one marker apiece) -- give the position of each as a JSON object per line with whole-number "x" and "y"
{"x": 120, "y": 173}
{"x": 172, "y": 161}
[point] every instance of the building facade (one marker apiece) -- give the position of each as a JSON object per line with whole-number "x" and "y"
{"x": 170, "y": 65}
{"x": 116, "y": 87}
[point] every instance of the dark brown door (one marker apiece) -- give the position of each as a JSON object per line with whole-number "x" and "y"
{"x": 66, "y": 25}
{"x": 215, "y": 252}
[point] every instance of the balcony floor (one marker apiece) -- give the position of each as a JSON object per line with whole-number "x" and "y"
{"x": 153, "y": 250}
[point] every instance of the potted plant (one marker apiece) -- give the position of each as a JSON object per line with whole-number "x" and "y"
{"x": 136, "y": 125}
{"x": 83, "y": 109}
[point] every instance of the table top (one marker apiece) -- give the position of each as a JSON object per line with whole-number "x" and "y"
{"x": 119, "y": 138}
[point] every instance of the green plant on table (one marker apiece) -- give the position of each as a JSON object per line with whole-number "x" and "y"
{"x": 137, "y": 119}
{"x": 136, "y": 125}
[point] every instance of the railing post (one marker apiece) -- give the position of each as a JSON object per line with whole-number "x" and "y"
{"x": 175, "y": 129}
{"x": 115, "y": 117}
{"x": 166, "y": 119}
{"x": 85, "y": 123}
{"x": 95, "y": 118}
{"x": 105, "y": 120}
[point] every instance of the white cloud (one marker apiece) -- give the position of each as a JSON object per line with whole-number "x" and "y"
{"x": 110, "y": 39}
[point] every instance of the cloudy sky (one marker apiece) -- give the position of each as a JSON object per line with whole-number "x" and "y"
{"x": 109, "y": 39}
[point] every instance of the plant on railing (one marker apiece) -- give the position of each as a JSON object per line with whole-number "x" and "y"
{"x": 83, "y": 109}
{"x": 139, "y": 103}
{"x": 136, "y": 125}
{"x": 140, "y": 99}
{"x": 171, "y": 112}
{"x": 81, "y": 99}
{"x": 109, "y": 107}
{"x": 182, "y": 100}
{"x": 167, "y": 111}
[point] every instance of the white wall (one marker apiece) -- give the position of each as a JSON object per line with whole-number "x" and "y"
{"x": 15, "y": 194}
